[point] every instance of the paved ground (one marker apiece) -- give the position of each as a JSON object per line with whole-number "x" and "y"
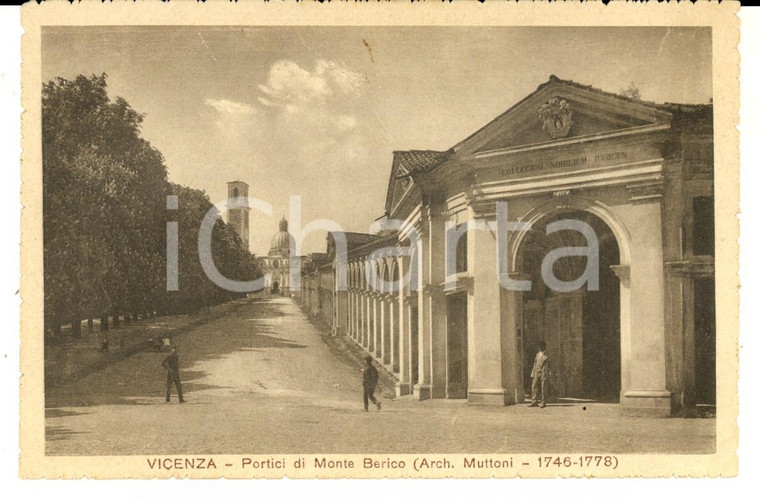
{"x": 262, "y": 381}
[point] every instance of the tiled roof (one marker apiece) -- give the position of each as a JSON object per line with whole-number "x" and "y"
{"x": 420, "y": 160}
{"x": 357, "y": 239}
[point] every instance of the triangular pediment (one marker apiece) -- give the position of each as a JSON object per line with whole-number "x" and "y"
{"x": 405, "y": 163}
{"x": 558, "y": 110}
{"x": 399, "y": 184}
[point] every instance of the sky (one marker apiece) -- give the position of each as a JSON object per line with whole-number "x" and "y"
{"x": 316, "y": 112}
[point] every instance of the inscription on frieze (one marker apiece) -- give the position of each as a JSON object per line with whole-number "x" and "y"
{"x": 580, "y": 161}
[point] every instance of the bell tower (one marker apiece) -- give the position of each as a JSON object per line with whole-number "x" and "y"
{"x": 238, "y": 209}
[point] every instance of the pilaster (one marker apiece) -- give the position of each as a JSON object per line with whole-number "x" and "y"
{"x": 643, "y": 349}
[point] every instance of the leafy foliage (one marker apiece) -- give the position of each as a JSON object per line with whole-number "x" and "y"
{"x": 631, "y": 92}
{"x": 104, "y": 215}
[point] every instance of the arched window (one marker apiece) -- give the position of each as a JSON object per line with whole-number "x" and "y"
{"x": 275, "y": 263}
{"x": 235, "y": 193}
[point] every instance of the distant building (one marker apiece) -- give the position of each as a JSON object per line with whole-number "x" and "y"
{"x": 275, "y": 265}
{"x": 238, "y": 209}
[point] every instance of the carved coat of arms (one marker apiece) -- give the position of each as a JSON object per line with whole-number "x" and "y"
{"x": 556, "y": 117}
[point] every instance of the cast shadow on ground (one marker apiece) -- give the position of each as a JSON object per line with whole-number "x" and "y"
{"x": 53, "y": 433}
{"x": 131, "y": 380}
{"x": 58, "y": 413}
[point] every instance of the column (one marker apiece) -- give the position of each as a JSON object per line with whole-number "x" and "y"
{"x": 385, "y": 329}
{"x": 367, "y": 336}
{"x": 377, "y": 321}
{"x": 355, "y": 315}
{"x": 361, "y": 313}
{"x": 395, "y": 335}
{"x": 431, "y": 304}
{"x": 350, "y": 323}
{"x": 404, "y": 385}
{"x": 370, "y": 323}
{"x": 359, "y": 318}
{"x": 357, "y": 331}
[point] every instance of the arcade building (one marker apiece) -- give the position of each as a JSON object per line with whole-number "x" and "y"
{"x": 639, "y": 174}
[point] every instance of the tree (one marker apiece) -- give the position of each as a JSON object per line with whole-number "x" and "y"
{"x": 102, "y": 202}
{"x": 104, "y": 214}
{"x": 230, "y": 256}
{"x": 632, "y": 92}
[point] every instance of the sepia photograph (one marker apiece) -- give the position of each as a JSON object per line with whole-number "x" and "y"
{"x": 447, "y": 250}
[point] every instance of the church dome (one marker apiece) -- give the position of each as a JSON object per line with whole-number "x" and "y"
{"x": 281, "y": 241}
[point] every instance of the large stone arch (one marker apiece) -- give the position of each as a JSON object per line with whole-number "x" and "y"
{"x": 576, "y": 204}
{"x": 568, "y": 204}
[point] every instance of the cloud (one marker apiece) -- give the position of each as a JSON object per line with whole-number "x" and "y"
{"x": 228, "y": 107}
{"x": 347, "y": 81}
{"x": 289, "y": 83}
{"x": 314, "y": 105}
{"x": 233, "y": 118}
{"x": 295, "y": 119}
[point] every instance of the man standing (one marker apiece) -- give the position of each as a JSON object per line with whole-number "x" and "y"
{"x": 540, "y": 375}
{"x": 370, "y": 382}
{"x": 171, "y": 364}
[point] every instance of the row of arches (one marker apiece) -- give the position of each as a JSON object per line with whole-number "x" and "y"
{"x": 377, "y": 274}
{"x": 375, "y": 290}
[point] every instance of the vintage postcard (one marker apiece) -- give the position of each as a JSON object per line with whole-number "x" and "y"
{"x": 379, "y": 240}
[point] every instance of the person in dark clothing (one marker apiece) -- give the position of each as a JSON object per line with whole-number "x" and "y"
{"x": 370, "y": 382}
{"x": 171, "y": 364}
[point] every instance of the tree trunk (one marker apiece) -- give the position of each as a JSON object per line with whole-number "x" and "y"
{"x": 116, "y": 319}
{"x": 90, "y": 326}
{"x": 76, "y": 328}
{"x": 135, "y": 317}
{"x": 104, "y": 324}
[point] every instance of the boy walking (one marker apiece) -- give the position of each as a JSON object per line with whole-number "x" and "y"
{"x": 370, "y": 383}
